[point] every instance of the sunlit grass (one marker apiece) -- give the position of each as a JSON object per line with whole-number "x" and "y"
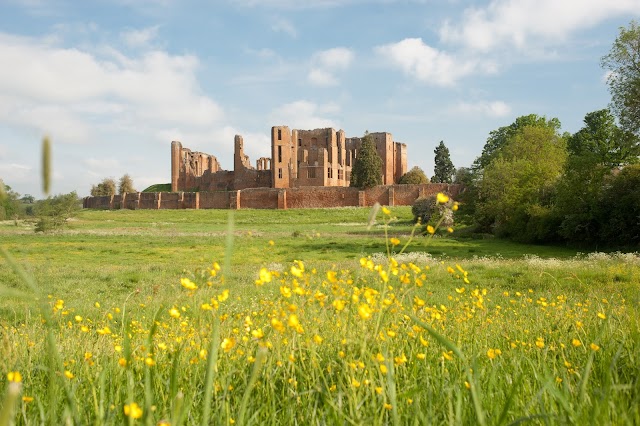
{"x": 299, "y": 330}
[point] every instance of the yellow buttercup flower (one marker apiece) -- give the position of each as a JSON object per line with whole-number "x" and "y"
{"x": 431, "y": 229}
{"x": 493, "y": 353}
{"x": 442, "y": 198}
{"x": 14, "y": 377}
{"x": 364, "y": 311}
{"x": 133, "y": 410}
{"x": 188, "y": 284}
{"x": 228, "y": 343}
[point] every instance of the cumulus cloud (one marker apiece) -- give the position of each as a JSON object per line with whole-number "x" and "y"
{"x": 491, "y": 109}
{"x": 61, "y": 90}
{"x": 428, "y": 64}
{"x": 326, "y": 64}
{"x": 303, "y": 114}
{"x": 521, "y": 22}
{"x": 141, "y": 37}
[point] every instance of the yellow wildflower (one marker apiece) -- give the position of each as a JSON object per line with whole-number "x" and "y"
{"x": 14, "y": 377}
{"x": 188, "y": 284}
{"x": 364, "y": 311}
{"x": 431, "y": 229}
{"x": 228, "y": 343}
{"x": 442, "y": 198}
{"x": 493, "y": 353}
{"x": 133, "y": 410}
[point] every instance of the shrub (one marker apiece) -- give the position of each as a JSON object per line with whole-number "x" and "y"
{"x": 423, "y": 208}
{"x": 106, "y": 187}
{"x": 54, "y": 212}
{"x": 414, "y": 176}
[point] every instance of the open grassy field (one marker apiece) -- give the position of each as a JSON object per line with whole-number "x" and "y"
{"x": 309, "y": 317}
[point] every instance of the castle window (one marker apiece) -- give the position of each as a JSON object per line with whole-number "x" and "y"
{"x": 279, "y": 134}
{"x": 329, "y": 172}
{"x": 299, "y": 142}
{"x": 340, "y": 174}
{"x": 279, "y": 173}
{"x": 311, "y": 173}
{"x": 279, "y": 154}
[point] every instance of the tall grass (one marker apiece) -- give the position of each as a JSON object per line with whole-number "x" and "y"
{"x": 394, "y": 338}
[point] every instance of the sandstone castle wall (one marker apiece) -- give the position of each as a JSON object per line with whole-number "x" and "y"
{"x": 273, "y": 198}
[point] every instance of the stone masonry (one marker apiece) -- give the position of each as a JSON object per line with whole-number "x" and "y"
{"x": 299, "y": 158}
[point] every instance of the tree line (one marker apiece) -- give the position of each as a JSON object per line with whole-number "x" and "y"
{"x": 533, "y": 183}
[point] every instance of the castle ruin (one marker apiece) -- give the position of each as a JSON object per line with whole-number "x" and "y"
{"x": 299, "y": 158}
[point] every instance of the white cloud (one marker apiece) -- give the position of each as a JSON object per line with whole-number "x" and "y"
{"x": 491, "y": 109}
{"x": 140, "y": 38}
{"x": 303, "y": 114}
{"x": 62, "y": 91}
{"x": 320, "y": 77}
{"x": 326, "y": 63}
{"x": 337, "y": 57}
{"x": 282, "y": 25}
{"x": 523, "y": 22}
{"x": 428, "y": 64}
{"x": 16, "y": 172}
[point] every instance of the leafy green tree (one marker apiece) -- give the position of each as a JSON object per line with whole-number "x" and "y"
{"x": 106, "y": 187}
{"x": 125, "y": 186}
{"x": 595, "y": 151}
{"x": 603, "y": 142}
{"x": 28, "y": 199}
{"x": 623, "y": 64}
{"x": 443, "y": 170}
{"x": 414, "y": 176}
{"x": 9, "y": 203}
{"x": 498, "y": 138}
{"x": 367, "y": 168}
{"x": 54, "y": 212}
{"x": 518, "y": 185}
{"x": 621, "y": 203}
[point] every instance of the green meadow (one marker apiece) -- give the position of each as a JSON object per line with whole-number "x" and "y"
{"x": 318, "y": 316}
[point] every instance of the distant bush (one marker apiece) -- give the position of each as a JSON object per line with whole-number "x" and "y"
{"x": 428, "y": 211}
{"x": 54, "y": 212}
{"x": 105, "y": 188}
{"x": 423, "y": 208}
{"x": 413, "y": 177}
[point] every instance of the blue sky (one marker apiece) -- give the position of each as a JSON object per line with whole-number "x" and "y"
{"x": 113, "y": 82}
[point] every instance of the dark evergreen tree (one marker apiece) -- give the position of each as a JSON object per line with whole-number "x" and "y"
{"x": 444, "y": 170}
{"x": 367, "y": 168}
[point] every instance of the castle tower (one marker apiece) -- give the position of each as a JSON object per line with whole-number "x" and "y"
{"x": 176, "y": 154}
{"x": 283, "y": 155}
